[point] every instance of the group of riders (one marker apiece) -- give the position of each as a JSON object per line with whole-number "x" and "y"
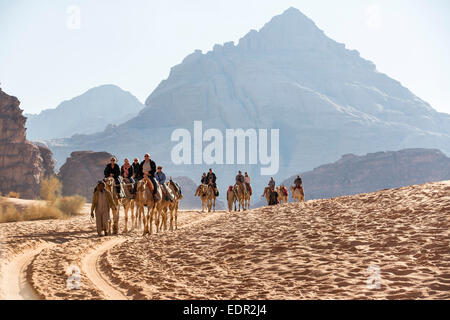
{"x": 131, "y": 173}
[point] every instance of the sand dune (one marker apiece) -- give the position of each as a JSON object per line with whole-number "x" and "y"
{"x": 322, "y": 249}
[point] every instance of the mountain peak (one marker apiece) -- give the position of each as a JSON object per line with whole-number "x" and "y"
{"x": 289, "y": 30}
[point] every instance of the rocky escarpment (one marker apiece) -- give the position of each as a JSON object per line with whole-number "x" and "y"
{"x": 81, "y": 172}
{"x": 373, "y": 172}
{"x": 21, "y": 162}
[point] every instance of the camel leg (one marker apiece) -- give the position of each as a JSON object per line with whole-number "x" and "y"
{"x": 176, "y": 216}
{"x": 150, "y": 219}
{"x": 145, "y": 221}
{"x": 125, "y": 212}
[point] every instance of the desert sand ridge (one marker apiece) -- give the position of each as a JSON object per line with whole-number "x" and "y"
{"x": 321, "y": 249}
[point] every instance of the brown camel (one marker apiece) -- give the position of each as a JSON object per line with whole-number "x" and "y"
{"x": 144, "y": 197}
{"x": 202, "y": 192}
{"x": 231, "y": 199}
{"x": 283, "y": 195}
{"x": 242, "y": 195}
{"x": 111, "y": 187}
{"x": 298, "y": 194}
{"x": 176, "y": 201}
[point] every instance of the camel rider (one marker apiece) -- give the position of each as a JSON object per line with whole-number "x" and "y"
{"x": 211, "y": 179}
{"x": 161, "y": 178}
{"x": 102, "y": 202}
{"x": 272, "y": 184}
{"x": 112, "y": 170}
{"x": 273, "y": 198}
{"x": 147, "y": 170}
{"x": 240, "y": 178}
{"x": 204, "y": 180}
{"x": 247, "y": 182}
{"x": 298, "y": 183}
{"x": 135, "y": 166}
{"x": 127, "y": 173}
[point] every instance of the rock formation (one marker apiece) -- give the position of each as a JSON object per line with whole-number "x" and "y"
{"x": 373, "y": 172}
{"x": 22, "y": 164}
{"x": 326, "y": 101}
{"x": 82, "y": 170}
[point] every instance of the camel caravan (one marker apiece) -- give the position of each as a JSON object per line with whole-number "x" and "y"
{"x": 143, "y": 192}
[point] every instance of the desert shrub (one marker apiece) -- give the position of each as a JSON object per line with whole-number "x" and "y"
{"x": 9, "y": 213}
{"x": 51, "y": 188}
{"x": 13, "y": 194}
{"x": 70, "y": 205}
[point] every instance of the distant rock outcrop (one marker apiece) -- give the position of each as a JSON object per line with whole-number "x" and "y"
{"x": 22, "y": 164}
{"x": 373, "y": 172}
{"x": 90, "y": 112}
{"x": 82, "y": 170}
{"x": 190, "y": 201}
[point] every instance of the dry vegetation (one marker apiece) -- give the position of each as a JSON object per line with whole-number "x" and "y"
{"x": 55, "y": 207}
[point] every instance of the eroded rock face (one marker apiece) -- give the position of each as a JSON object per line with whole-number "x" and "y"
{"x": 21, "y": 162}
{"x": 82, "y": 170}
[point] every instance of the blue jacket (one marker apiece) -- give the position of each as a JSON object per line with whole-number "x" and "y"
{"x": 160, "y": 177}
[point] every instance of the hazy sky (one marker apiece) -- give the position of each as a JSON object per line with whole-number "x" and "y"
{"x": 47, "y": 55}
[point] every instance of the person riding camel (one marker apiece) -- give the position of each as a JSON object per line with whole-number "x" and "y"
{"x": 147, "y": 170}
{"x": 247, "y": 182}
{"x": 211, "y": 179}
{"x": 298, "y": 183}
{"x": 240, "y": 178}
{"x": 113, "y": 170}
{"x": 161, "y": 178}
{"x": 272, "y": 184}
{"x": 204, "y": 180}
{"x": 127, "y": 173}
{"x": 102, "y": 202}
{"x": 135, "y": 175}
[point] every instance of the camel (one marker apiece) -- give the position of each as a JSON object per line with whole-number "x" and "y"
{"x": 298, "y": 194}
{"x": 266, "y": 194}
{"x": 231, "y": 198}
{"x": 242, "y": 196}
{"x": 144, "y": 197}
{"x": 111, "y": 187}
{"x": 211, "y": 198}
{"x": 169, "y": 207}
{"x": 174, "y": 207}
{"x": 283, "y": 195}
{"x": 128, "y": 204}
{"x": 202, "y": 192}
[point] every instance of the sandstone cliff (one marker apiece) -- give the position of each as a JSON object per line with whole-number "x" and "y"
{"x": 21, "y": 162}
{"x": 82, "y": 170}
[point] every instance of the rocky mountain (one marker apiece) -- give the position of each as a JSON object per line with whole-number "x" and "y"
{"x": 22, "y": 164}
{"x": 88, "y": 113}
{"x": 81, "y": 171}
{"x": 353, "y": 174}
{"x": 325, "y": 100}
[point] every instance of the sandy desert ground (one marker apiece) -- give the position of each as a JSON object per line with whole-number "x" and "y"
{"x": 391, "y": 244}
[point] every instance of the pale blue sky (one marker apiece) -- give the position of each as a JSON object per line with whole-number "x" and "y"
{"x": 134, "y": 43}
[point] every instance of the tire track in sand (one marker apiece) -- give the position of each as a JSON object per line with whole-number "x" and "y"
{"x": 15, "y": 284}
{"x": 89, "y": 265}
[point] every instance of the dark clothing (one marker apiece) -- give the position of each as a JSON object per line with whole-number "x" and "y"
{"x": 240, "y": 178}
{"x": 298, "y": 181}
{"x": 130, "y": 172}
{"x": 211, "y": 176}
{"x": 273, "y": 198}
{"x": 152, "y": 169}
{"x": 204, "y": 180}
{"x": 135, "y": 169}
{"x": 109, "y": 170}
{"x": 116, "y": 173}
